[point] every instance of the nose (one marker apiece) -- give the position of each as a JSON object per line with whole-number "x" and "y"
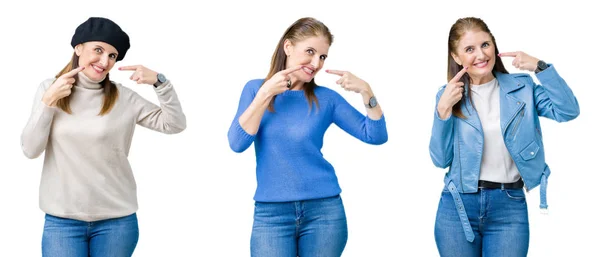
{"x": 479, "y": 53}
{"x": 316, "y": 62}
{"x": 104, "y": 60}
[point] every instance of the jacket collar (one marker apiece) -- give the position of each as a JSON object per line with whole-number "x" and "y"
{"x": 509, "y": 104}
{"x": 507, "y": 82}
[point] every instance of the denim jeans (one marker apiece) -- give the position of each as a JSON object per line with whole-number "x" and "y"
{"x": 311, "y": 228}
{"x": 74, "y": 238}
{"x": 498, "y": 218}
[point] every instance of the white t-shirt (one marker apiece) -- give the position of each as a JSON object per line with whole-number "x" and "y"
{"x": 497, "y": 164}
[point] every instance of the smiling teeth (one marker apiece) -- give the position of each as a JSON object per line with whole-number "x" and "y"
{"x": 97, "y": 68}
{"x": 308, "y": 70}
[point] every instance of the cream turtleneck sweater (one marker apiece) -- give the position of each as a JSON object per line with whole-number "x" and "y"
{"x": 86, "y": 174}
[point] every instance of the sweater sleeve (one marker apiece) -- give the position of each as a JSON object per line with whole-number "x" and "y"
{"x": 358, "y": 125}
{"x": 167, "y": 118}
{"x": 35, "y": 134}
{"x": 239, "y": 139}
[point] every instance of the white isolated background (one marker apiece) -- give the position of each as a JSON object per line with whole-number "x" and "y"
{"x": 195, "y": 194}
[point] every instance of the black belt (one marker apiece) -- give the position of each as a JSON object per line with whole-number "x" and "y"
{"x": 495, "y": 185}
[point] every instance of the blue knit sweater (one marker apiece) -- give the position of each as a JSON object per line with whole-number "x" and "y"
{"x": 289, "y": 162}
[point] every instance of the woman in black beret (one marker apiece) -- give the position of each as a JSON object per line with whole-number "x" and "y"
{"x": 85, "y": 123}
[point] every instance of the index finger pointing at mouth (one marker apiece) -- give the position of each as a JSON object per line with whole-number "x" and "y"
{"x": 290, "y": 70}
{"x": 508, "y": 54}
{"x": 459, "y": 75}
{"x": 336, "y": 72}
{"x": 133, "y": 67}
{"x": 73, "y": 72}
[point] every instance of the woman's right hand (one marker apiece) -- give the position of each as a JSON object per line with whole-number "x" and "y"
{"x": 278, "y": 83}
{"x": 60, "y": 88}
{"x": 452, "y": 94}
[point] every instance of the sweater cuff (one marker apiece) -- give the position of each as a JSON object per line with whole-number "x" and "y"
{"x": 163, "y": 86}
{"x": 379, "y": 122}
{"x": 244, "y": 136}
{"x": 44, "y": 115}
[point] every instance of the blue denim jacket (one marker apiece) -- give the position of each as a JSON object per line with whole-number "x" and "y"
{"x": 458, "y": 143}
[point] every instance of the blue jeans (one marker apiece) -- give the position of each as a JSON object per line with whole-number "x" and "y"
{"x": 74, "y": 238}
{"x": 311, "y": 228}
{"x": 498, "y": 218}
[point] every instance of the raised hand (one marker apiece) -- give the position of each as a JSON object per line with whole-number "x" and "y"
{"x": 452, "y": 94}
{"x": 522, "y": 60}
{"x": 280, "y": 82}
{"x": 141, "y": 74}
{"x": 350, "y": 82}
{"x": 60, "y": 88}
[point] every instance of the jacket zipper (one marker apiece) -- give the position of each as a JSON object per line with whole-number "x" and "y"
{"x": 511, "y": 154}
{"x": 514, "y": 130}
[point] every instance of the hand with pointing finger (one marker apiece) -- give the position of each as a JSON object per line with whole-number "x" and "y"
{"x": 452, "y": 94}
{"x": 522, "y": 60}
{"x": 350, "y": 82}
{"x": 60, "y": 88}
{"x": 141, "y": 74}
{"x": 279, "y": 83}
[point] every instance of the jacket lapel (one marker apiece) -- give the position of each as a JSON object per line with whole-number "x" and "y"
{"x": 469, "y": 112}
{"x": 509, "y": 104}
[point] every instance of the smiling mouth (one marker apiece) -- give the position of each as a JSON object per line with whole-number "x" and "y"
{"x": 97, "y": 69}
{"x": 481, "y": 64}
{"x": 308, "y": 70}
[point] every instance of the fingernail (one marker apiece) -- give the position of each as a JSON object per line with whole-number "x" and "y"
{"x": 499, "y": 54}
{"x": 467, "y": 67}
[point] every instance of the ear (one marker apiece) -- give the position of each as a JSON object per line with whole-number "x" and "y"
{"x": 78, "y": 49}
{"x": 456, "y": 59}
{"x": 288, "y": 47}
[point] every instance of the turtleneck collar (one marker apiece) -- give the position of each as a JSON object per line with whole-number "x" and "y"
{"x": 85, "y": 82}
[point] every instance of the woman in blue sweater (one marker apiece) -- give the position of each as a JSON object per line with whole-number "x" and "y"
{"x": 298, "y": 210}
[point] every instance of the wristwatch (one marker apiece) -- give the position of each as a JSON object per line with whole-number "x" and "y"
{"x": 541, "y": 65}
{"x": 160, "y": 78}
{"x": 372, "y": 102}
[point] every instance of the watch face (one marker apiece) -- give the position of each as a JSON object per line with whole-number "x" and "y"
{"x": 372, "y": 102}
{"x": 542, "y": 65}
{"x": 161, "y": 78}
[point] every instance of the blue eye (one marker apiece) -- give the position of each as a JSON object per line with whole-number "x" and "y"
{"x": 486, "y": 44}
{"x": 470, "y": 49}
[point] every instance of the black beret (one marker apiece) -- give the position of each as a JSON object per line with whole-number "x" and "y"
{"x": 104, "y": 30}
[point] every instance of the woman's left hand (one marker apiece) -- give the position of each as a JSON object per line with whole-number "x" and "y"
{"x": 350, "y": 82}
{"x": 522, "y": 60}
{"x": 141, "y": 74}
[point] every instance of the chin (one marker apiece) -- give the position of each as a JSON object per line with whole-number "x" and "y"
{"x": 95, "y": 76}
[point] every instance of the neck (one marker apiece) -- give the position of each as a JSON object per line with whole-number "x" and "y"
{"x": 481, "y": 80}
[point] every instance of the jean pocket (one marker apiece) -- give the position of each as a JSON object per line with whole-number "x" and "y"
{"x": 515, "y": 194}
